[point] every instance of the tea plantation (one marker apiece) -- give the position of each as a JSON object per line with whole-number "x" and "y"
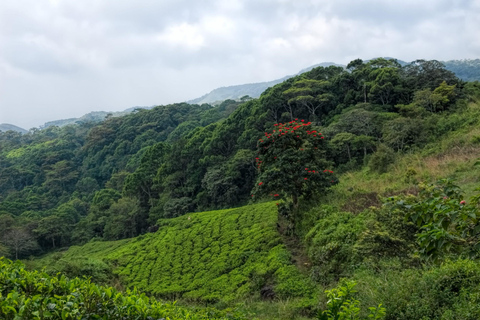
{"x": 213, "y": 256}
{"x": 35, "y": 295}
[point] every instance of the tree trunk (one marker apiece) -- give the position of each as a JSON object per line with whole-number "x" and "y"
{"x": 295, "y": 209}
{"x": 364, "y": 93}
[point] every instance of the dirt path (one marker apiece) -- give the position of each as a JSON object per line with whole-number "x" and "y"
{"x": 296, "y": 248}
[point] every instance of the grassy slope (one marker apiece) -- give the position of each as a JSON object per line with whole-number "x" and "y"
{"x": 453, "y": 156}
{"x": 212, "y": 256}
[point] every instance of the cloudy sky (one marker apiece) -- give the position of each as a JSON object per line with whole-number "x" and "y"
{"x": 65, "y": 58}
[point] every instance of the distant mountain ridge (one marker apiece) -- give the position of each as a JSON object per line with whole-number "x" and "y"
{"x": 254, "y": 90}
{"x": 10, "y": 127}
{"x": 94, "y": 116}
{"x": 467, "y": 70}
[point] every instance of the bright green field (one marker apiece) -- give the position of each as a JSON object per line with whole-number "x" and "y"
{"x": 223, "y": 255}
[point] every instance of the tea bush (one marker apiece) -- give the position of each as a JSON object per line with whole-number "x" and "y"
{"x": 35, "y": 295}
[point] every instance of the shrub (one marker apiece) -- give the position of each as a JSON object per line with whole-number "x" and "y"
{"x": 381, "y": 159}
{"x": 446, "y": 222}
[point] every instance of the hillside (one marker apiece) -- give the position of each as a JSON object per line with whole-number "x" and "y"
{"x": 212, "y": 256}
{"x": 254, "y": 90}
{"x": 95, "y": 116}
{"x": 467, "y": 69}
{"x": 10, "y": 127}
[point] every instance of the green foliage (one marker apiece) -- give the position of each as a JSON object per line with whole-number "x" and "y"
{"x": 140, "y": 183}
{"x": 20, "y": 242}
{"x": 341, "y": 242}
{"x": 104, "y": 198}
{"x": 331, "y": 245}
{"x": 447, "y": 291}
{"x": 36, "y": 295}
{"x": 381, "y": 159}
{"x": 125, "y": 220}
{"x": 176, "y": 207}
{"x": 3, "y": 250}
{"x": 446, "y": 221}
{"x": 437, "y": 100}
{"x": 403, "y": 133}
{"x": 342, "y": 305}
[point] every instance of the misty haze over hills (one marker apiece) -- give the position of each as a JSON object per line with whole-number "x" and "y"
{"x": 466, "y": 69}
{"x": 10, "y": 127}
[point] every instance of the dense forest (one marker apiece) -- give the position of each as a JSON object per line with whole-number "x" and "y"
{"x": 340, "y": 152}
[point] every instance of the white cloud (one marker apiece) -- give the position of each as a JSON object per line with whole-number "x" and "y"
{"x": 66, "y": 57}
{"x": 183, "y": 35}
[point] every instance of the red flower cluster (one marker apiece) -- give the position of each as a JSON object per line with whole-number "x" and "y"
{"x": 329, "y": 171}
{"x": 284, "y": 129}
{"x": 259, "y": 162}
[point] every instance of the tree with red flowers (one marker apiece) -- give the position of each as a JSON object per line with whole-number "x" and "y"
{"x": 291, "y": 163}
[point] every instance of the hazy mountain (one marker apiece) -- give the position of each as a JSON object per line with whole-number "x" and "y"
{"x": 95, "y": 116}
{"x": 236, "y": 92}
{"x": 11, "y": 127}
{"x": 468, "y": 70}
{"x": 253, "y": 90}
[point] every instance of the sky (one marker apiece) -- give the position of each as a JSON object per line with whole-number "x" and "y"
{"x": 64, "y": 58}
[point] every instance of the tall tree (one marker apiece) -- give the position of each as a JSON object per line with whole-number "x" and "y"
{"x": 20, "y": 242}
{"x": 291, "y": 163}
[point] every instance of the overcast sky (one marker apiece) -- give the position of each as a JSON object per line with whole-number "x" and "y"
{"x": 64, "y": 58}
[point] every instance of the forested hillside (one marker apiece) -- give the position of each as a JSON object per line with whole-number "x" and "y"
{"x": 350, "y": 156}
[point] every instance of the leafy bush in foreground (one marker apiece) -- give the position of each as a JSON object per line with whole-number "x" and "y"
{"x": 447, "y": 222}
{"x": 342, "y": 304}
{"x": 36, "y": 295}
